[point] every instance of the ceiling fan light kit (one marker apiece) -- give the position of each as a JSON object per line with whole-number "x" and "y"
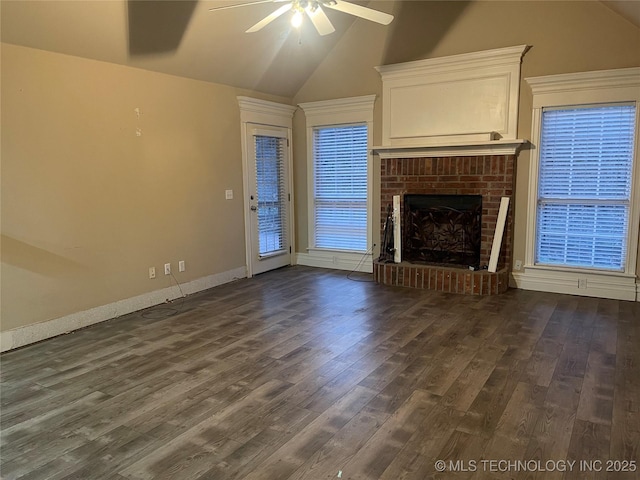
{"x": 313, "y": 10}
{"x": 296, "y": 20}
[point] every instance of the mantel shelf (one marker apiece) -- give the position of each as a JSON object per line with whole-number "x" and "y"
{"x": 458, "y": 149}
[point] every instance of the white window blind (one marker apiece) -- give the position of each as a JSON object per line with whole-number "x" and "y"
{"x": 271, "y": 191}
{"x": 340, "y": 187}
{"x": 584, "y": 188}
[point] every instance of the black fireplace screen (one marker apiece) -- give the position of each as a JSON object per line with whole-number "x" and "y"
{"x": 442, "y": 229}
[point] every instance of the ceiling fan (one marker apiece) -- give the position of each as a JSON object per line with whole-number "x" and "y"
{"x": 313, "y": 9}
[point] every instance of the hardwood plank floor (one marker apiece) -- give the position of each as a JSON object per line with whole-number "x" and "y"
{"x": 302, "y": 373}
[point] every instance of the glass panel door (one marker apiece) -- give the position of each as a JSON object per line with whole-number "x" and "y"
{"x": 271, "y": 195}
{"x": 269, "y": 198}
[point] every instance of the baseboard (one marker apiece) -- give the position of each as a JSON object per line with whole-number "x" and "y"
{"x": 597, "y": 285}
{"x": 336, "y": 260}
{"x": 21, "y": 336}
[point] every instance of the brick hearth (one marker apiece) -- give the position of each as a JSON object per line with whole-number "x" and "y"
{"x": 442, "y": 279}
{"x": 490, "y": 176}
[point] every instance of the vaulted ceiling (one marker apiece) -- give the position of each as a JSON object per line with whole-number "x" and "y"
{"x": 184, "y": 38}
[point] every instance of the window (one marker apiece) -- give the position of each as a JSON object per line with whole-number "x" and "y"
{"x": 584, "y": 186}
{"x": 340, "y": 157}
{"x": 271, "y": 190}
{"x": 339, "y": 182}
{"x": 583, "y": 212}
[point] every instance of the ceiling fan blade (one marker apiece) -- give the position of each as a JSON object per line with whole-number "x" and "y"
{"x": 362, "y": 12}
{"x": 270, "y": 18}
{"x": 225, "y": 7}
{"x": 320, "y": 21}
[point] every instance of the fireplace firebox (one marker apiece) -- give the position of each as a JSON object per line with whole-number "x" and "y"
{"x": 442, "y": 229}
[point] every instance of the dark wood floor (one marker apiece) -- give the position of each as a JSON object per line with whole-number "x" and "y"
{"x": 304, "y": 374}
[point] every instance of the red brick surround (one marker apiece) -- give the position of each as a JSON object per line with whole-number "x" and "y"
{"x": 490, "y": 176}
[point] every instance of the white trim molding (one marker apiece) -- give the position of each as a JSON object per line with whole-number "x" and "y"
{"x": 336, "y": 260}
{"x": 469, "y": 96}
{"x": 341, "y": 110}
{"x": 21, "y": 336}
{"x": 464, "y": 62}
{"x": 586, "y": 88}
{"x": 265, "y": 112}
{"x": 575, "y": 283}
{"x": 458, "y": 149}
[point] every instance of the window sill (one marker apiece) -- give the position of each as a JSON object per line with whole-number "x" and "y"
{"x": 578, "y": 271}
{"x": 339, "y": 251}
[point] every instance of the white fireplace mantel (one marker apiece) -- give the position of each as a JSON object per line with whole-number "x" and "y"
{"x": 454, "y": 149}
{"x": 467, "y": 102}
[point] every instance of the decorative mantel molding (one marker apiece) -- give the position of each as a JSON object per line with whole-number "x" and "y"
{"x": 458, "y": 149}
{"x": 471, "y": 97}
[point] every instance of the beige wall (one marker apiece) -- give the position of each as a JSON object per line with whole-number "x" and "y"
{"x": 88, "y": 206}
{"x": 565, "y": 37}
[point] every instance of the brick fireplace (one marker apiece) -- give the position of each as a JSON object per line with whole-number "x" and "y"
{"x": 490, "y": 176}
{"x": 449, "y": 127}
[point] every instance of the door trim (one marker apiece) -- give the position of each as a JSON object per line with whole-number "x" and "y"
{"x": 282, "y": 257}
{"x": 256, "y": 113}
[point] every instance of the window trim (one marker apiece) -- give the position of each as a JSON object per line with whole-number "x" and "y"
{"x": 327, "y": 113}
{"x": 567, "y": 90}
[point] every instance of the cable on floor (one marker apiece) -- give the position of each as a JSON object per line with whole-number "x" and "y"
{"x": 364, "y": 256}
{"x": 159, "y": 312}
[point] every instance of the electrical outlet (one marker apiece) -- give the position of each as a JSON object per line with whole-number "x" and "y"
{"x": 228, "y": 194}
{"x": 152, "y": 272}
{"x": 167, "y": 269}
{"x": 582, "y": 283}
{"x": 518, "y": 265}
{"x": 181, "y": 267}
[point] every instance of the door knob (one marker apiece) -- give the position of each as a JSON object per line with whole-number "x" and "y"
{"x": 254, "y": 208}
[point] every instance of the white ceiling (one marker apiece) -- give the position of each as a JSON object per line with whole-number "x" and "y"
{"x": 181, "y": 38}
{"x": 184, "y": 38}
